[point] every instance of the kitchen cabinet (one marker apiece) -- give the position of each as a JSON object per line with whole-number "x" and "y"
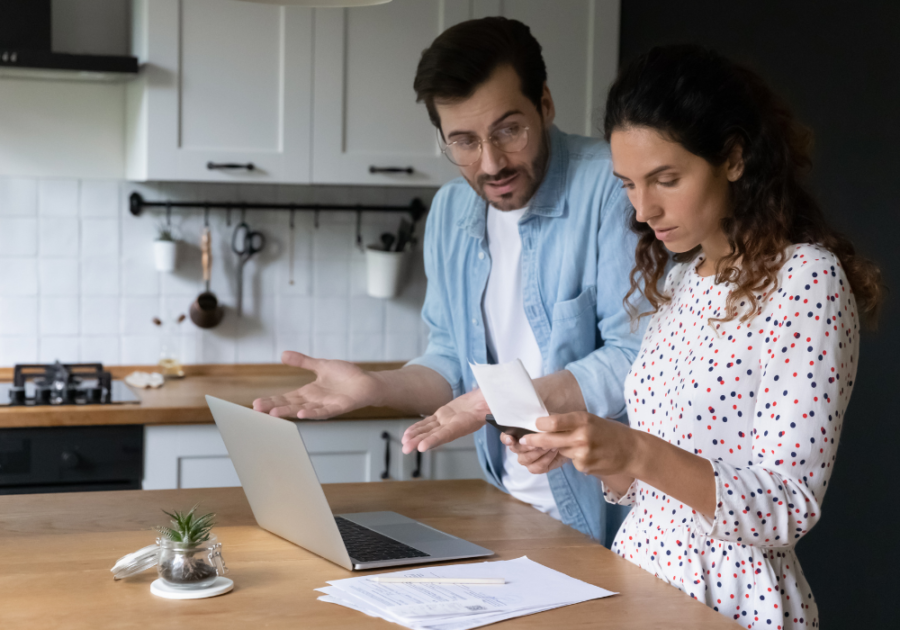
{"x": 223, "y": 84}
{"x": 194, "y": 456}
{"x": 325, "y": 95}
{"x": 364, "y": 107}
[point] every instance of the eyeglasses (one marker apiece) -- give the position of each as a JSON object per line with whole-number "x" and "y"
{"x": 466, "y": 150}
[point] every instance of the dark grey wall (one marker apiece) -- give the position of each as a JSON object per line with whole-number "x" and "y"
{"x": 838, "y": 65}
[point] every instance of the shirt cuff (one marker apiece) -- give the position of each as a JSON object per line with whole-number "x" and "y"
{"x": 706, "y": 525}
{"x": 446, "y": 367}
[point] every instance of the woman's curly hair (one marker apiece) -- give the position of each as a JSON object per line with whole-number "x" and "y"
{"x": 707, "y": 104}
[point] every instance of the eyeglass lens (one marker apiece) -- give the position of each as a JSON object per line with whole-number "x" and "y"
{"x": 466, "y": 151}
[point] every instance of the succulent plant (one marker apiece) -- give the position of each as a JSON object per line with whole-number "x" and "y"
{"x": 186, "y": 528}
{"x": 181, "y": 566}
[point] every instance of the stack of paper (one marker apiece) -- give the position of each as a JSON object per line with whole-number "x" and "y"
{"x": 530, "y": 588}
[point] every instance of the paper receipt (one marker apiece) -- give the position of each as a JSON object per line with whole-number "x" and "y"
{"x": 510, "y": 394}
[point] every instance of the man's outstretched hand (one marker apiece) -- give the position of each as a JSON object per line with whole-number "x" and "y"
{"x": 459, "y": 417}
{"x": 340, "y": 387}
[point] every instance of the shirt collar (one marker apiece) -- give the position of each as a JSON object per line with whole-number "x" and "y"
{"x": 546, "y": 202}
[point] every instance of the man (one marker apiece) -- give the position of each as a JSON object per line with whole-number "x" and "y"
{"x": 527, "y": 256}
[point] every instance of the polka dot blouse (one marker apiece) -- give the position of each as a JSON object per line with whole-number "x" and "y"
{"x": 764, "y": 402}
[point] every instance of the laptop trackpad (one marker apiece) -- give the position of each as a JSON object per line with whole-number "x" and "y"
{"x": 411, "y": 533}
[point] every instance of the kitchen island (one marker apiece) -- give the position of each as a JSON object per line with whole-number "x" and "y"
{"x": 58, "y": 549}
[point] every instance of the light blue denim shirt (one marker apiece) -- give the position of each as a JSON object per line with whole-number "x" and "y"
{"x": 577, "y": 253}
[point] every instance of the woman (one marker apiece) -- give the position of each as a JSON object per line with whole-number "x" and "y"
{"x": 737, "y": 398}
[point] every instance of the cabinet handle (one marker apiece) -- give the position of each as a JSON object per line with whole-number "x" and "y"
{"x": 214, "y": 166}
{"x": 418, "y": 471}
{"x": 409, "y": 170}
{"x": 387, "y": 455}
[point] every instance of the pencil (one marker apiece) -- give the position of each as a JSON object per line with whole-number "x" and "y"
{"x": 413, "y": 580}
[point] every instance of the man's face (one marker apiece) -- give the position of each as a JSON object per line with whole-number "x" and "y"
{"x": 508, "y": 181}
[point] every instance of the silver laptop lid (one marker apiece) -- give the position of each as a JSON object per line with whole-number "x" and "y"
{"x": 279, "y": 480}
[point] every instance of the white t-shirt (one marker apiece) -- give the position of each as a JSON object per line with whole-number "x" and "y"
{"x": 509, "y": 337}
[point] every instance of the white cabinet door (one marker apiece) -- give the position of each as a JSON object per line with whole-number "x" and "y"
{"x": 186, "y": 456}
{"x": 456, "y": 460}
{"x": 222, "y": 82}
{"x": 580, "y": 43}
{"x": 194, "y": 456}
{"x": 364, "y": 106}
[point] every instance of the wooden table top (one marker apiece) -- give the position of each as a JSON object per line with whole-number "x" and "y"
{"x": 57, "y": 550}
{"x": 181, "y": 401}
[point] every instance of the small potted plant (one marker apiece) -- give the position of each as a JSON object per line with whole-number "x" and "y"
{"x": 164, "y": 249}
{"x": 189, "y": 554}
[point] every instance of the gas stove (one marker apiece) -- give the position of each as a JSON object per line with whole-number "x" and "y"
{"x": 64, "y": 384}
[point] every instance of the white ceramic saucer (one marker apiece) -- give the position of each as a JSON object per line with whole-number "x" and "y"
{"x": 221, "y": 586}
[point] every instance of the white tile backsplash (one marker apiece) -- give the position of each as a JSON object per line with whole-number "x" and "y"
{"x": 59, "y": 276}
{"x": 100, "y": 198}
{"x": 100, "y": 316}
{"x": 62, "y": 349}
{"x": 58, "y": 237}
{"x": 19, "y": 316}
{"x": 100, "y": 275}
{"x": 139, "y": 350}
{"x": 59, "y": 316}
{"x": 79, "y": 279}
{"x": 18, "y": 236}
{"x": 19, "y": 277}
{"x": 18, "y": 197}
{"x": 100, "y": 237}
{"x": 19, "y": 349}
{"x": 100, "y": 349}
{"x": 58, "y": 198}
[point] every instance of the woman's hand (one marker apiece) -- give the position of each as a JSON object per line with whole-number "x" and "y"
{"x": 596, "y": 446}
{"x": 537, "y": 460}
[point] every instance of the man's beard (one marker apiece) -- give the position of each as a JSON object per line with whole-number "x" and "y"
{"x": 532, "y": 174}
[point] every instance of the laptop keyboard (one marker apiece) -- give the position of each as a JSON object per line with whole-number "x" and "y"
{"x": 366, "y": 545}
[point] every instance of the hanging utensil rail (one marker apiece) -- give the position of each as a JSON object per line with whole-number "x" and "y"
{"x": 137, "y": 204}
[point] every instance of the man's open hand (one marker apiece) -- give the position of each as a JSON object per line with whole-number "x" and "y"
{"x": 340, "y": 387}
{"x": 459, "y": 417}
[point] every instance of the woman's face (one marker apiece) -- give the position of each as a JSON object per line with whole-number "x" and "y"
{"x": 681, "y": 196}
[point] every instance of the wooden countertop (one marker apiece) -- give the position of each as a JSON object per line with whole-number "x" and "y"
{"x": 181, "y": 401}
{"x": 58, "y": 549}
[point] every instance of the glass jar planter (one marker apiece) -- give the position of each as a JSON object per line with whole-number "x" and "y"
{"x": 181, "y": 566}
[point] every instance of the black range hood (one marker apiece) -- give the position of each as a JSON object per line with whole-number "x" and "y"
{"x": 25, "y": 49}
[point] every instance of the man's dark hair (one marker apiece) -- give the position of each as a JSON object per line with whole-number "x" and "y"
{"x": 466, "y": 55}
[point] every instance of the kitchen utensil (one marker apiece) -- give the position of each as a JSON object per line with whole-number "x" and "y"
{"x": 403, "y": 235}
{"x": 245, "y": 243}
{"x": 387, "y": 239}
{"x": 291, "y": 251}
{"x": 206, "y": 312}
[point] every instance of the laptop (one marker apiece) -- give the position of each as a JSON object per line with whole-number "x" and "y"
{"x": 287, "y": 499}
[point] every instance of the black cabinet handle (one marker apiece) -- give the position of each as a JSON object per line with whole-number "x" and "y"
{"x": 215, "y": 166}
{"x": 418, "y": 471}
{"x": 409, "y": 170}
{"x": 387, "y": 455}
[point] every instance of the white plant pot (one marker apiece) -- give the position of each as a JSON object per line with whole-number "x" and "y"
{"x": 164, "y": 255}
{"x": 385, "y": 271}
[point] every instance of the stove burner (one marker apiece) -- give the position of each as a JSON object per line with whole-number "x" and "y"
{"x": 61, "y": 384}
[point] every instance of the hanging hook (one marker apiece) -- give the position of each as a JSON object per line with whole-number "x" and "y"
{"x": 359, "y": 242}
{"x": 168, "y": 214}
{"x": 206, "y": 216}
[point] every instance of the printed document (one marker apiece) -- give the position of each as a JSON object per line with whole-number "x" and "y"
{"x": 530, "y": 588}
